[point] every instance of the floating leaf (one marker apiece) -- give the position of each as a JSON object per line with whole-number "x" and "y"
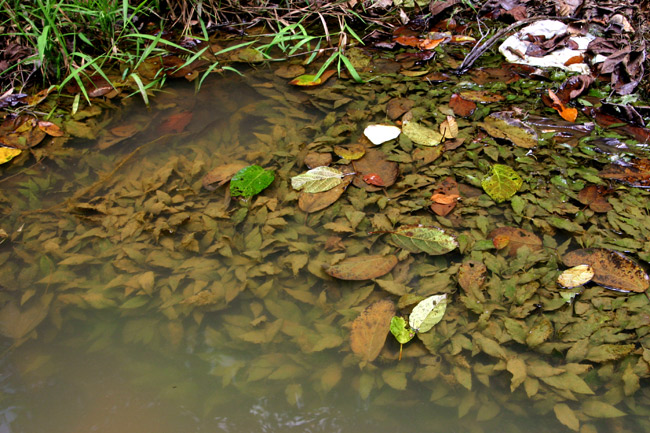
{"x": 250, "y": 180}
{"x": 502, "y": 183}
{"x": 612, "y": 269}
{"x": 575, "y": 276}
{"x": 379, "y": 134}
{"x": 8, "y": 153}
{"x": 515, "y": 238}
{"x": 362, "y": 268}
{"x": 431, "y": 240}
{"x": 313, "y": 202}
{"x": 370, "y": 329}
{"x": 421, "y": 134}
{"x": 317, "y": 179}
{"x": 503, "y": 125}
{"x": 351, "y": 152}
{"x": 308, "y": 80}
{"x": 427, "y": 313}
{"x": 399, "y": 329}
{"x": 373, "y": 179}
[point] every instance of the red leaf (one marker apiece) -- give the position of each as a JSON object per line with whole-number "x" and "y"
{"x": 176, "y": 123}
{"x": 373, "y": 179}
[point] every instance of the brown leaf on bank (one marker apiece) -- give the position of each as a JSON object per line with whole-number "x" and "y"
{"x": 461, "y": 106}
{"x": 375, "y": 162}
{"x": 635, "y": 172}
{"x": 517, "y": 238}
{"x": 612, "y": 269}
{"x": 446, "y": 196}
{"x": 221, "y": 174}
{"x": 594, "y": 197}
{"x": 313, "y": 202}
{"x": 362, "y": 267}
{"x": 370, "y": 329}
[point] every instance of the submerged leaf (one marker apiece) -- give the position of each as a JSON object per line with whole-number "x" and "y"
{"x": 250, "y": 180}
{"x": 612, "y": 269}
{"x": 317, "y": 179}
{"x": 502, "y": 183}
{"x": 362, "y": 268}
{"x": 431, "y": 240}
{"x": 370, "y": 329}
{"x": 427, "y": 313}
{"x": 351, "y": 152}
{"x": 421, "y": 134}
{"x": 313, "y": 202}
{"x": 308, "y": 80}
{"x": 16, "y": 322}
{"x": 514, "y": 238}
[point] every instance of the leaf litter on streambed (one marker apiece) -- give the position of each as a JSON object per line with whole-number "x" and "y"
{"x": 254, "y": 272}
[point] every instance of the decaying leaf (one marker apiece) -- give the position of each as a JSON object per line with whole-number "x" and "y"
{"x": 427, "y": 313}
{"x": 362, "y": 267}
{"x": 370, "y": 329}
{"x": 379, "y": 134}
{"x": 461, "y": 106}
{"x": 313, "y": 202}
{"x": 445, "y": 197}
{"x": 8, "y": 153}
{"x": 375, "y": 162}
{"x": 431, "y": 240}
{"x": 221, "y": 174}
{"x": 471, "y": 275}
{"x": 504, "y": 125}
{"x": 568, "y": 113}
{"x": 516, "y": 238}
{"x": 502, "y": 183}
{"x": 635, "y": 172}
{"x": 575, "y": 276}
{"x": 421, "y": 134}
{"x": 449, "y": 127}
{"x": 594, "y": 197}
{"x": 316, "y": 159}
{"x": 398, "y": 106}
{"x": 317, "y": 179}
{"x": 612, "y": 269}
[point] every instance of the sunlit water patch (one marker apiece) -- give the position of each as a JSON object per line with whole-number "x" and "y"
{"x": 139, "y": 296}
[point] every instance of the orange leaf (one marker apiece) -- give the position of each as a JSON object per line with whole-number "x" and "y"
{"x": 501, "y": 241}
{"x": 444, "y": 198}
{"x": 50, "y": 128}
{"x": 567, "y": 113}
{"x": 429, "y": 44}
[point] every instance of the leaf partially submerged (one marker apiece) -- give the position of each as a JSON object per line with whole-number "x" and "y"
{"x": 431, "y": 240}
{"x": 317, "y": 179}
{"x": 576, "y": 276}
{"x": 362, "y": 267}
{"x": 308, "y": 80}
{"x": 502, "y": 183}
{"x": 612, "y": 269}
{"x": 635, "y": 172}
{"x": 370, "y": 329}
{"x": 427, "y": 313}
{"x": 8, "y": 153}
{"x": 250, "y": 180}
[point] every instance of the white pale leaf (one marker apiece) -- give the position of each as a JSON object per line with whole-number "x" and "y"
{"x": 576, "y": 276}
{"x": 428, "y": 312}
{"x": 378, "y": 134}
{"x": 317, "y": 179}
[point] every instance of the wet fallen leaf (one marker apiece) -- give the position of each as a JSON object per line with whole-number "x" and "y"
{"x": 308, "y": 80}
{"x": 375, "y": 162}
{"x": 373, "y": 179}
{"x": 502, "y": 183}
{"x": 16, "y": 322}
{"x": 400, "y": 331}
{"x": 461, "y": 106}
{"x": 612, "y": 269}
{"x": 8, "y": 153}
{"x": 313, "y": 202}
{"x": 635, "y": 172}
{"x": 431, "y": 240}
{"x": 516, "y": 238}
{"x": 600, "y": 409}
{"x": 449, "y": 127}
{"x": 504, "y": 125}
{"x": 421, "y": 134}
{"x": 317, "y": 179}
{"x": 398, "y": 106}
{"x": 481, "y": 96}
{"x": 50, "y": 128}
{"x": 427, "y": 313}
{"x": 221, "y": 174}
{"x": 566, "y": 416}
{"x": 250, "y": 180}
{"x": 176, "y": 122}
{"x": 289, "y": 71}
{"x": 471, "y": 275}
{"x": 501, "y": 241}
{"x": 594, "y": 197}
{"x": 317, "y": 159}
{"x": 351, "y": 152}
{"x": 379, "y": 134}
{"x": 568, "y": 113}
{"x": 370, "y": 329}
{"x": 575, "y": 276}
{"x": 362, "y": 267}
{"x": 445, "y": 197}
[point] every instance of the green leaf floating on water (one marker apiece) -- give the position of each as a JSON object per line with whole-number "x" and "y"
{"x": 502, "y": 183}
{"x": 428, "y": 313}
{"x": 431, "y": 240}
{"x": 250, "y": 180}
{"x": 317, "y": 179}
{"x": 400, "y": 330}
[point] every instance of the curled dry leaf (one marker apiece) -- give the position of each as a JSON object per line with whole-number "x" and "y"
{"x": 612, "y": 269}
{"x": 449, "y": 127}
{"x": 362, "y": 267}
{"x": 516, "y": 238}
{"x": 370, "y": 329}
{"x": 575, "y": 276}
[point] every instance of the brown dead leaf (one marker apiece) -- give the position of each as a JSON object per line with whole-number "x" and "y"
{"x": 16, "y": 322}
{"x": 594, "y": 197}
{"x": 50, "y": 128}
{"x": 375, "y": 162}
{"x": 362, "y": 267}
{"x": 446, "y": 196}
{"x": 517, "y": 238}
{"x": 221, "y": 174}
{"x": 635, "y": 172}
{"x": 612, "y": 269}
{"x": 461, "y": 106}
{"x": 317, "y": 159}
{"x": 398, "y": 106}
{"x": 370, "y": 329}
{"x": 471, "y": 275}
{"x": 313, "y": 202}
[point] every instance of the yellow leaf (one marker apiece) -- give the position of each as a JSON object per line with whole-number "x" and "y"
{"x": 8, "y": 153}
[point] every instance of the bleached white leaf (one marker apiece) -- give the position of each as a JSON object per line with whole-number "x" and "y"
{"x": 317, "y": 179}
{"x": 378, "y": 134}
{"x": 428, "y": 312}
